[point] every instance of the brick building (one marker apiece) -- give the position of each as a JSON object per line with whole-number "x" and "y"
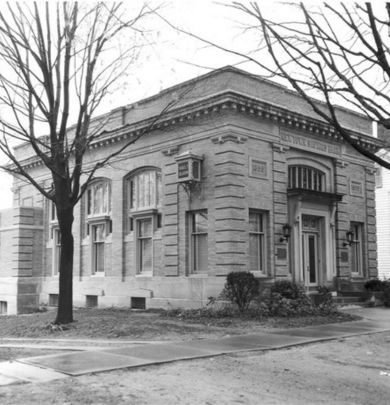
{"x": 240, "y": 175}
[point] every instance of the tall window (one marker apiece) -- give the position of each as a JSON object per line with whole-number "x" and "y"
{"x": 57, "y": 251}
{"x": 98, "y": 224}
{"x": 99, "y": 198}
{"x": 357, "y": 248}
{"x": 144, "y": 189}
{"x": 378, "y": 176}
{"x": 53, "y": 211}
{"x": 257, "y": 241}
{"x": 306, "y": 177}
{"x": 145, "y": 245}
{"x": 198, "y": 222}
{"x": 98, "y": 237}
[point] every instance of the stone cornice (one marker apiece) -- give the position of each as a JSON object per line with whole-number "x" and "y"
{"x": 227, "y": 101}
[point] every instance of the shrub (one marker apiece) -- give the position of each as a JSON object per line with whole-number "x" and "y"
{"x": 288, "y": 289}
{"x": 241, "y": 288}
{"x": 374, "y": 285}
{"x": 286, "y": 307}
{"x": 288, "y": 299}
{"x": 386, "y": 293}
{"x": 327, "y": 304}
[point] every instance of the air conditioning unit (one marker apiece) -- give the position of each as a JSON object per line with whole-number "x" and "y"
{"x": 189, "y": 167}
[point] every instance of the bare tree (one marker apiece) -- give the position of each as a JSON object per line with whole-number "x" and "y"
{"x": 336, "y": 54}
{"x": 60, "y": 61}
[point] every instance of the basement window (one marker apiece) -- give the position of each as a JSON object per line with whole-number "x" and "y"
{"x": 91, "y": 301}
{"x": 53, "y": 300}
{"x": 3, "y": 307}
{"x": 138, "y": 303}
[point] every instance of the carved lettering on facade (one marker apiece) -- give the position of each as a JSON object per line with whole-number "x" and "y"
{"x": 303, "y": 142}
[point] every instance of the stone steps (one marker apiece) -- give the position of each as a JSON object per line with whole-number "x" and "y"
{"x": 350, "y": 298}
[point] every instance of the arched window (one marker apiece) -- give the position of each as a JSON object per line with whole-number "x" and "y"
{"x": 306, "y": 177}
{"x": 99, "y": 198}
{"x": 144, "y": 189}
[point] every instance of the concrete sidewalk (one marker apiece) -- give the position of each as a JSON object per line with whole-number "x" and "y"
{"x": 110, "y": 358}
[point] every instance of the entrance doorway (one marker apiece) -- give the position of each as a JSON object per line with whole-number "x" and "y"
{"x": 310, "y": 250}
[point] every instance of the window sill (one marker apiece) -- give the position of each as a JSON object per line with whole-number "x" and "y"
{"x": 147, "y": 274}
{"x": 98, "y": 218}
{"x": 143, "y": 213}
{"x": 258, "y": 274}
{"x": 198, "y": 275}
{"x": 357, "y": 276}
{"x": 98, "y": 274}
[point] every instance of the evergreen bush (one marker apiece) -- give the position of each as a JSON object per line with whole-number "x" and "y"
{"x": 241, "y": 288}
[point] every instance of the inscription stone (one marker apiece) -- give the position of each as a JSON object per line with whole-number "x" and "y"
{"x": 312, "y": 144}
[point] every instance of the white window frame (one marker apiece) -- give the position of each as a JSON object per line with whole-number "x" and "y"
{"x": 136, "y": 218}
{"x": 139, "y": 242}
{"x": 92, "y": 208}
{"x": 314, "y": 178}
{"x": 52, "y": 212}
{"x": 98, "y": 213}
{"x": 56, "y": 249}
{"x": 135, "y": 188}
{"x": 262, "y": 238}
{"x": 93, "y": 227}
{"x": 148, "y": 210}
{"x": 193, "y": 245}
{"x": 357, "y": 249}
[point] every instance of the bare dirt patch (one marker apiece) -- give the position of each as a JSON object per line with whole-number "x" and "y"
{"x": 147, "y": 325}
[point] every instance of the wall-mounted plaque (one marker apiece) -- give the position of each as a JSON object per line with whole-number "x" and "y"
{"x": 356, "y": 188}
{"x": 257, "y": 168}
{"x": 344, "y": 257}
{"x": 281, "y": 253}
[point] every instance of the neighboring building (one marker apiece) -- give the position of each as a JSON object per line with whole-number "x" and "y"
{"x": 240, "y": 175}
{"x": 382, "y": 196}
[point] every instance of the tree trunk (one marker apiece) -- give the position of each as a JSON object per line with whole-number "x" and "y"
{"x": 65, "y": 301}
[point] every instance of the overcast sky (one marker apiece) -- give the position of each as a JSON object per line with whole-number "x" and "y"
{"x": 174, "y": 57}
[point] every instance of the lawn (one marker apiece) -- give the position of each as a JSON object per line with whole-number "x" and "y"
{"x": 113, "y": 323}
